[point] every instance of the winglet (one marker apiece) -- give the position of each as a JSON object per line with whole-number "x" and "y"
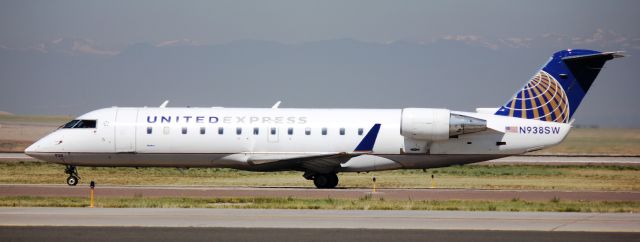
{"x": 366, "y": 145}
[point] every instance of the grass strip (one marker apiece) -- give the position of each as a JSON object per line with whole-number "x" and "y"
{"x": 601, "y": 178}
{"x": 364, "y": 203}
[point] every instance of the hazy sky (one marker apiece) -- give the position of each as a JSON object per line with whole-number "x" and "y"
{"x": 70, "y": 57}
{"x": 120, "y": 23}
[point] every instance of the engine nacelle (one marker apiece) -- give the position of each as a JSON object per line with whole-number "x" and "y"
{"x": 437, "y": 124}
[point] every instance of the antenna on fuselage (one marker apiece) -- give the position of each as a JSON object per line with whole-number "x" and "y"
{"x": 275, "y": 106}
{"x": 164, "y": 104}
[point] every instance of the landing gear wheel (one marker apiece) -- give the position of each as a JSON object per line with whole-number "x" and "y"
{"x": 324, "y": 181}
{"x": 72, "y": 180}
{"x": 333, "y": 178}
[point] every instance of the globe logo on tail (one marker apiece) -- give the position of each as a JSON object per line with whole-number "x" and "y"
{"x": 542, "y": 98}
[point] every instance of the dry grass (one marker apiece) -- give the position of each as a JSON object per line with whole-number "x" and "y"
{"x": 35, "y": 119}
{"x": 364, "y": 203}
{"x": 598, "y": 141}
{"x": 14, "y": 145}
{"x": 17, "y": 132}
{"x": 479, "y": 177}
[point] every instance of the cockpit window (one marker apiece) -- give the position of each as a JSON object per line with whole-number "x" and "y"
{"x": 80, "y": 124}
{"x": 87, "y": 124}
{"x": 70, "y": 124}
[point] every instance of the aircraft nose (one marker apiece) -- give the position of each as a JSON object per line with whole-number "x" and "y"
{"x": 42, "y": 150}
{"x": 33, "y": 148}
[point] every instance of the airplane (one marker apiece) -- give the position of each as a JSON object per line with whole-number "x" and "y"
{"x": 323, "y": 142}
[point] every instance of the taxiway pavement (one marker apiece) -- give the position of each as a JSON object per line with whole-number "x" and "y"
{"x": 185, "y": 234}
{"x": 297, "y": 192}
{"x": 320, "y": 219}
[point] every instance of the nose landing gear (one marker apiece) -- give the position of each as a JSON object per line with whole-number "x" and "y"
{"x": 73, "y": 178}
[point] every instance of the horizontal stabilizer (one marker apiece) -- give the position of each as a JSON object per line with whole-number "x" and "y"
{"x": 604, "y": 55}
{"x": 487, "y": 110}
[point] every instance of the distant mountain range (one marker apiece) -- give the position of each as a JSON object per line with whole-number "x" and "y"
{"x": 73, "y": 76}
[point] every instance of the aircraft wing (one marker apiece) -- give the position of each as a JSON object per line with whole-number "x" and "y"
{"x": 325, "y": 162}
{"x": 318, "y": 162}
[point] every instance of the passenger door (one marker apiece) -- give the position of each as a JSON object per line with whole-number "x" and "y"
{"x": 273, "y": 134}
{"x": 126, "y": 129}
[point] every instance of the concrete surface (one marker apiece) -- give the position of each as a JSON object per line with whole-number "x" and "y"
{"x": 318, "y": 219}
{"x": 184, "y": 234}
{"x": 82, "y": 190}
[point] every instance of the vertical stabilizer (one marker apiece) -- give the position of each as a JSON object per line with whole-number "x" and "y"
{"x": 555, "y": 92}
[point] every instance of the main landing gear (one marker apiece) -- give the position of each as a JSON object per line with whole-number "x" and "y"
{"x": 73, "y": 178}
{"x": 323, "y": 181}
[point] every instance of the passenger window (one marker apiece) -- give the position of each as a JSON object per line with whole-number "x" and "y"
{"x": 273, "y": 131}
{"x": 202, "y": 130}
{"x": 341, "y": 131}
{"x": 256, "y": 131}
{"x": 290, "y": 131}
{"x": 166, "y": 130}
{"x": 360, "y": 131}
{"x": 238, "y": 131}
{"x": 324, "y": 131}
{"x": 184, "y": 130}
{"x": 149, "y": 130}
{"x": 220, "y": 130}
{"x": 307, "y": 131}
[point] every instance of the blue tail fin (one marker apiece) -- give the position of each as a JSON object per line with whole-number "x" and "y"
{"x": 555, "y": 92}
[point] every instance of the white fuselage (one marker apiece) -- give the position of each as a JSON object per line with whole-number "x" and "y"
{"x": 281, "y": 139}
